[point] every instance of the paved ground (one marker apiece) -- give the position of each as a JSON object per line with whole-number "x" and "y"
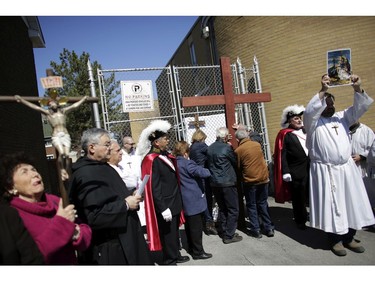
{"x": 289, "y": 246}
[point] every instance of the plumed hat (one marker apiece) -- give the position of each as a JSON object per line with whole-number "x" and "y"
{"x": 156, "y": 129}
{"x": 289, "y": 112}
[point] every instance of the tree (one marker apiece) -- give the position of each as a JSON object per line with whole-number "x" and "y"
{"x": 74, "y": 72}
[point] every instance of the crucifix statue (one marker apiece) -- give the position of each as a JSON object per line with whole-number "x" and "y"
{"x": 229, "y": 100}
{"x": 56, "y": 115}
{"x": 56, "y": 111}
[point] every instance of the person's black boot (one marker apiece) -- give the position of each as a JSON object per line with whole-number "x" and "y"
{"x": 210, "y": 229}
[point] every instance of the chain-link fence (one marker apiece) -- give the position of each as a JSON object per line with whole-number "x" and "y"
{"x": 169, "y": 86}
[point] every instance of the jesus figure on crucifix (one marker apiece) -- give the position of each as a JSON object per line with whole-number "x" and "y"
{"x": 56, "y": 115}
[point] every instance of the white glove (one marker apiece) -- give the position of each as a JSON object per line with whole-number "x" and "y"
{"x": 167, "y": 215}
{"x": 287, "y": 177}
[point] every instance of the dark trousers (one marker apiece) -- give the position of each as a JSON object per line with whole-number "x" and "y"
{"x": 170, "y": 239}
{"x": 227, "y": 200}
{"x": 299, "y": 199}
{"x": 193, "y": 229}
{"x": 334, "y": 238}
{"x": 257, "y": 206}
{"x": 208, "y": 212}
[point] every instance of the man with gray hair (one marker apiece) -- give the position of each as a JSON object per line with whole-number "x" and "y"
{"x": 222, "y": 165}
{"x": 107, "y": 206}
{"x": 255, "y": 179}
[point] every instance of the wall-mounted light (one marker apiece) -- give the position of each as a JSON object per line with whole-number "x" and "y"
{"x": 206, "y": 32}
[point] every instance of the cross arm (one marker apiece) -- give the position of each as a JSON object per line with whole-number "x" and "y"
{"x": 220, "y": 99}
{"x": 37, "y": 99}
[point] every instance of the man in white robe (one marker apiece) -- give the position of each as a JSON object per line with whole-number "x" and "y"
{"x": 339, "y": 204}
{"x": 371, "y": 175}
{"x": 362, "y": 138}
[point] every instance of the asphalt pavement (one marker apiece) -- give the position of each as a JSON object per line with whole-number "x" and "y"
{"x": 289, "y": 246}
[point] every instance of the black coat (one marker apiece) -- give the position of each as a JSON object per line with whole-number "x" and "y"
{"x": 222, "y": 163}
{"x": 17, "y": 247}
{"x": 165, "y": 189}
{"x": 99, "y": 193}
{"x": 293, "y": 158}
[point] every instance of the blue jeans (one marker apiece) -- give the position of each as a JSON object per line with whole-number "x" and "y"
{"x": 257, "y": 206}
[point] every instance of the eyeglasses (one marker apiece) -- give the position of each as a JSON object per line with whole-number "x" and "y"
{"x": 108, "y": 144}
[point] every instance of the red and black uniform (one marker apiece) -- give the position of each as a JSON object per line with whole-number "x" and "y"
{"x": 162, "y": 191}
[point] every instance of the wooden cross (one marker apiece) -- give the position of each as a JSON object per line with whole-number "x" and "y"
{"x": 229, "y": 99}
{"x": 196, "y": 123}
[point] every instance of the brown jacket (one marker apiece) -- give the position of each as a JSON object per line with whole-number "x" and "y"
{"x": 251, "y": 162}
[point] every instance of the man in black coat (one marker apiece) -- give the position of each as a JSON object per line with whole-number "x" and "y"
{"x": 163, "y": 201}
{"x": 222, "y": 163}
{"x": 292, "y": 163}
{"x": 107, "y": 206}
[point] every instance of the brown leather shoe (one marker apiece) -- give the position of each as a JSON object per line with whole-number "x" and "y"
{"x": 355, "y": 246}
{"x": 338, "y": 249}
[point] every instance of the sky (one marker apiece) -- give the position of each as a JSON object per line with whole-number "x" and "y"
{"x": 113, "y": 41}
{"x": 142, "y": 33}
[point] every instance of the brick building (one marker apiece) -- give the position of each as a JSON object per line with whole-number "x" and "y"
{"x": 291, "y": 52}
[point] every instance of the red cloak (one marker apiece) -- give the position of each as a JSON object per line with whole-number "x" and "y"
{"x": 151, "y": 221}
{"x": 282, "y": 188}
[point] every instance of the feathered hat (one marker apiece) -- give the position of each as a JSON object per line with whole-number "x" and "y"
{"x": 289, "y": 112}
{"x": 155, "y": 130}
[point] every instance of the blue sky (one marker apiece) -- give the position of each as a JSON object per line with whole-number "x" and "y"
{"x": 113, "y": 41}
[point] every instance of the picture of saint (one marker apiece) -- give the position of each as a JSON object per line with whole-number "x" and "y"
{"x": 339, "y": 67}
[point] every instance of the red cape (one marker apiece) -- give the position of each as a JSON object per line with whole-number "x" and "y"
{"x": 151, "y": 221}
{"x": 282, "y": 188}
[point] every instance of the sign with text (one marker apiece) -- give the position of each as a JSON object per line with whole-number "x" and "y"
{"x": 51, "y": 82}
{"x": 137, "y": 96}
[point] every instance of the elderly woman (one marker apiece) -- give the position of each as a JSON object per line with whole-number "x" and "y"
{"x": 198, "y": 153}
{"x": 193, "y": 199}
{"x": 53, "y": 227}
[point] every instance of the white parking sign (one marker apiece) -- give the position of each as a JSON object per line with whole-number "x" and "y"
{"x": 137, "y": 96}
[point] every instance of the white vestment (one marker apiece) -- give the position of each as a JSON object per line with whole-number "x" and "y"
{"x": 338, "y": 199}
{"x": 129, "y": 170}
{"x": 371, "y": 175}
{"x": 362, "y": 141}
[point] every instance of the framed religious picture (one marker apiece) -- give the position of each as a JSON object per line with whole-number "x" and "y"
{"x": 339, "y": 67}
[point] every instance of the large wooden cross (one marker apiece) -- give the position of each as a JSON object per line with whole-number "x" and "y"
{"x": 229, "y": 99}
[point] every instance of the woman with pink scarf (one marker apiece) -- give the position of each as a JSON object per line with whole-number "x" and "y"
{"x": 54, "y": 228}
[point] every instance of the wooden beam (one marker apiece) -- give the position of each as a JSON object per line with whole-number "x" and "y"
{"x": 37, "y": 99}
{"x": 220, "y": 99}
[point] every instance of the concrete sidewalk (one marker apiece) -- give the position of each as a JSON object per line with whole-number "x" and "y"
{"x": 289, "y": 246}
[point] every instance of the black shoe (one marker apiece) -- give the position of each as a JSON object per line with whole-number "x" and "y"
{"x": 203, "y": 256}
{"x": 255, "y": 234}
{"x": 235, "y": 239}
{"x": 210, "y": 229}
{"x": 270, "y": 233}
{"x": 182, "y": 259}
{"x": 301, "y": 226}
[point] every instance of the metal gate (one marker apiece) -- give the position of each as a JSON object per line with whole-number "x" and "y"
{"x": 170, "y": 84}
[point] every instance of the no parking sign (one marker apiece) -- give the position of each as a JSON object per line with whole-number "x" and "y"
{"x": 137, "y": 96}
